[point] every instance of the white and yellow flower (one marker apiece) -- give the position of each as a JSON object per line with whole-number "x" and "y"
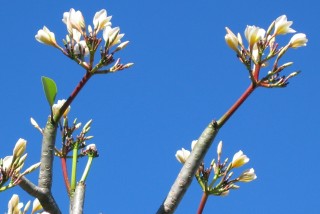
{"x": 56, "y": 107}
{"x": 182, "y": 155}
{"x": 298, "y": 40}
{"x": 247, "y": 176}
{"x": 19, "y": 148}
{"x": 282, "y": 26}
{"x": 47, "y": 37}
{"x": 254, "y": 34}
{"x": 239, "y": 159}
{"x": 101, "y": 20}
{"x": 231, "y": 40}
{"x": 112, "y": 35}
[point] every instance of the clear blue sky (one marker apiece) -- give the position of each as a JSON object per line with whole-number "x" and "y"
{"x": 184, "y": 76}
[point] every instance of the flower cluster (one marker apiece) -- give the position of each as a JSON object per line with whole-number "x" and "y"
{"x": 10, "y": 166}
{"x": 83, "y": 41}
{"x": 222, "y": 172}
{"x": 15, "y": 206}
{"x": 259, "y": 41}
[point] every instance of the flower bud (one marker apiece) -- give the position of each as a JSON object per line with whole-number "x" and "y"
{"x": 247, "y": 176}
{"x": 36, "y": 206}
{"x": 182, "y": 155}
{"x": 282, "y": 26}
{"x": 121, "y": 46}
{"x": 26, "y": 207}
{"x": 101, "y": 20}
{"x": 56, "y": 107}
{"x": 31, "y": 168}
{"x": 193, "y": 144}
{"x": 45, "y": 36}
{"x": 219, "y": 148}
{"x": 298, "y": 40}
{"x": 19, "y": 148}
{"x": 14, "y": 201}
{"x": 7, "y": 162}
{"x": 231, "y": 40}
{"x": 239, "y": 159}
{"x": 253, "y": 34}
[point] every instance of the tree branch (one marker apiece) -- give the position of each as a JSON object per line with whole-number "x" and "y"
{"x": 45, "y": 198}
{"x": 78, "y": 198}
{"x": 189, "y": 169}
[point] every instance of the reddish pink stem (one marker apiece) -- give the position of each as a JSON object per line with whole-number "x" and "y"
{"x": 65, "y": 174}
{"x": 202, "y": 203}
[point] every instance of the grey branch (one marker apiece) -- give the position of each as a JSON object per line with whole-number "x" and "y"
{"x": 47, "y": 201}
{"x": 78, "y": 199}
{"x": 47, "y": 155}
{"x": 43, "y": 190}
{"x": 189, "y": 169}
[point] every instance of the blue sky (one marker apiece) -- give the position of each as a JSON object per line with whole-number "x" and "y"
{"x": 184, "y": 76}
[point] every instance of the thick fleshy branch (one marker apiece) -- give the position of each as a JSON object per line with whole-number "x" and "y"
{"x": 189, "y": 169}
{"x": 45, "y": 197}
{"x": 78, "y": 199}
{"x": 47, "y": 155}
{"x": 43, "y": 190}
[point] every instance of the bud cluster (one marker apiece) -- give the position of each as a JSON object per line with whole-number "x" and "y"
{"x": 10, "y": 166}
{"x": 221, "y": 183}
{"x": 69, "y": 142}
{"x": 82, "y": 41}
{"x": 15, "y": 206}
{"x": 262, "y": 47}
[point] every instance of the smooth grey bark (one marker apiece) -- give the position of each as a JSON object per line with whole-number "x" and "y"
{"x": 43, "y": 190}
{"x": 189, "y": 169}
{"x": 78, "y": 199}
{"x": 46, "y": 199}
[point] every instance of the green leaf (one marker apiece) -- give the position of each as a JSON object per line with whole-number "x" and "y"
{"x": 50, "y": 89}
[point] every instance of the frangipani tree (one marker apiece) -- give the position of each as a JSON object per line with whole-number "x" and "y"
{"x": 82, "y": 43}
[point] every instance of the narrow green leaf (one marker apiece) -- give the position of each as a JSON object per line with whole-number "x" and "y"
{"x": 50, "y": 89}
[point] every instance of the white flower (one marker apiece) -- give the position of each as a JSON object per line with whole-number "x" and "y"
{"x": 91, "y": 147}
{"x": 14, "y": 205}
{"x": 231, "y": 40}
{"x": 193, "y": 144}
{"x": 225, "y": 193}
{"x": 36, "y": 206}
{"x": 7, "y": 162}
{"x": 112, "y": 35}
{"x": 219, "y": 148}
{"x": 101, "y": 20}
{"x": 81, "y": 48}
{"x": 255, "y": 53}
{"x": 298, "y": 40}
{"x": 253, "y": 34}
{"x": 19, "y": 148}
{"x": 282, "y": 26}
{"x": 56, "y": 107}
{"x": 76, "y": 35}
{"x": 239, "y": 159}
{"x": 182, "y": 155}
{"x": 26, "y": 207}
{"x": 247, "y": 176}
{"x": 74, "y": 19}
{"x": 47, "y": 37}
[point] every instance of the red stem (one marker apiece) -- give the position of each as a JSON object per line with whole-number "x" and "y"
{"x": 73, "y": 95}
{"x": 65, "y": 174}
{"x": 236, "y": 105}
{"x": 202, "y": 202}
